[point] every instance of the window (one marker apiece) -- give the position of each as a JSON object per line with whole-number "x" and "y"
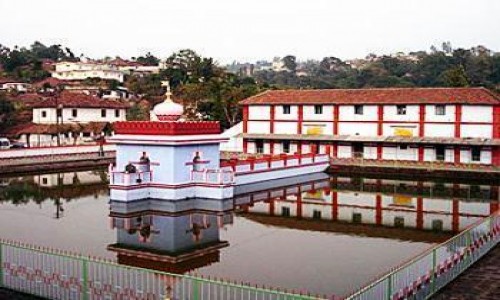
{"x": 401, "y": 109}
{"x": 440, "y": 110}
{"x": 285, "y": 211}
{"x": 74, "y": 113}
{"x": 44, "y": 114}
{"x": 440, "y": 153}
{"x": 399, "y": 222}
{"x": 286, "y": 109}
{"x": 259, "y": 146}
{"x": 356, "y": 218}
{"x": 117, "y": 113}
{"x": 316, "y": 214}
{"x": 403, "y": 147}
{"x": 358, "y": 109}
{"x": 286, "y": 146}
{"x": 318, "y": 109}
{"x": 44, "y": 180}
{"x": 476, "y": 154}
{"x": 437, "y": 225}
{"x": 103, "y": 113}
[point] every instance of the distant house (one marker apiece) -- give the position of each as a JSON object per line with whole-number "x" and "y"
{"x": 69, "y": 118}
{"x": 83, "y": 70}
{"x": 7, "y": 84}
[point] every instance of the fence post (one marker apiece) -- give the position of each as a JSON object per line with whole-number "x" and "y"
{"x": 434, "y": 274}
{"x": 1, "y": 264}
{"x": 196, "y": 290}
{"x": 85, "y": 277}
{"x": 389, "y": 287}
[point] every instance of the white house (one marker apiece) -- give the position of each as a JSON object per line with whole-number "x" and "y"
{"x": 84, "y": 70}
{"x": 70, "y": 118}
{"x": 14, "y": 85}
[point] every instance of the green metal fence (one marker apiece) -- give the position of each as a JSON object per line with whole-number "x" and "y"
{"x": 57, "y": 274}
{"x": 426, "y": 274}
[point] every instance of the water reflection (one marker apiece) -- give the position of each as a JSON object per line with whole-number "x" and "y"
{"x": 173, "y": 237}
{"x": 324, "y": 223}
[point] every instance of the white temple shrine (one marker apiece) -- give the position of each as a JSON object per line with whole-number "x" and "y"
{"x": 170, "y": 159}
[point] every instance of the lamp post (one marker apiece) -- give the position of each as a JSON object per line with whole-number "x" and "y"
{"x": 59, "y": 111}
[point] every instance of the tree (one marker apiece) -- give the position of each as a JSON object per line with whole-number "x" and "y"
{"x": 148, "y": 60}
{"x": 6, "y": 112}
{"x": 290, "y": 62}
{"x": 455, "y": 77}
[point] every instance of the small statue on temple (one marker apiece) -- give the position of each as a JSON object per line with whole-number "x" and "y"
{"x": 130, "y": 168}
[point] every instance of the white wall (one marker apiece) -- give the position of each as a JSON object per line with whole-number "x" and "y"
{"x": 430, "y": 114}
{"x": 279, "y": 115}
{"x": 259, "y": 127}
{"x": 344, "y": 151}
{"x": 476, "y": 131}
{"x": 259, "y": 112}
{"x": 439, "y": 130}
{"x": 412, "y": 113}
{"x": 363, "y": 129}
{"x": 346, "y": 113}
{"x": 477, "y": 113}
{"x": 84, "y": 115}
{"x": 285, "y": 127}
{"x": 327, "y": 115}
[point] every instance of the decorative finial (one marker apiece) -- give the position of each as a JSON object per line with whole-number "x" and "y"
{"x": 168, "y": 93}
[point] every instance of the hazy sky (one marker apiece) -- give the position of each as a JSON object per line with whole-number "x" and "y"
{"x": 247, "y": 30}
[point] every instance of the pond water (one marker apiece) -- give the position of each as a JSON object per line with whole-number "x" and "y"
{"x": 324, "y": 234}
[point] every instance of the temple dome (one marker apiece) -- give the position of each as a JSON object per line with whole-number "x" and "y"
{"x": 168, "y": 110}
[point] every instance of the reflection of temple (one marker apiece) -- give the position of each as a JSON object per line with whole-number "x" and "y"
{"x": 173, "y": 237}
{"x": 420, "y": 205}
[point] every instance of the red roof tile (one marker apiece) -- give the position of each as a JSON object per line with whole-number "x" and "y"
{"x": 52, "y": 81}
{"x": 376, "y": 96}
{"x": 67, "y": 99}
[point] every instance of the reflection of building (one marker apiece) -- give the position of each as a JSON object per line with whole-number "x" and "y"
{"x": 453, "y": 125}
{"x": 169, "y": 237}
{"x": 405, "y": 204}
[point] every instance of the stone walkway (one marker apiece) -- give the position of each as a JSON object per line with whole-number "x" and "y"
{"x": 479, "y": 282}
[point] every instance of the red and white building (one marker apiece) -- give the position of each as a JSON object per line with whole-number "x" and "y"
{"x": 454, "y": 125}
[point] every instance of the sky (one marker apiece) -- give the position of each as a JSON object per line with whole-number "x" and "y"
{"x": 249, "y": 30}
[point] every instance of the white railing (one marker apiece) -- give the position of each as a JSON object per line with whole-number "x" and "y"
{"x": 219, "y": 176}
{"x": 127, "y": 179}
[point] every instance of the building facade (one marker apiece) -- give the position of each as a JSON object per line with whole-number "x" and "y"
{"x": 84, "y": 70}
{"x": 453, "y": 125}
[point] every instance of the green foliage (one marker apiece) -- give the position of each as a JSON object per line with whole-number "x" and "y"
{"x": 137, "y": 113}
{"x": 6, "y": 112}
{"x": 26, "y": 64}
{"x": 148, "y": 59}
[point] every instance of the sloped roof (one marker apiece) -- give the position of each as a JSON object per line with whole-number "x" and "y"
{"x": 79, "y": 100}
{"x": 377, "y": 96}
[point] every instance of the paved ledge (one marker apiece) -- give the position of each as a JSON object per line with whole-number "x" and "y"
{"x": 480, "y": 282}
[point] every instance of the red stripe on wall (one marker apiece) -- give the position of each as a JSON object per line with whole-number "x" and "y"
{"x": 273, "y": 109}
{"x": 458, "y": 118}
{"x": 380, "y": 121}
{"x": 300, "y": 119}
{"x": 421, "y": 124}
{"x": 245, "y": 119}
{"x": 336, "y": 115}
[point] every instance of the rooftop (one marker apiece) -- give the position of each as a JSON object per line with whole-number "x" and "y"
{"x": 167, "y": 128}
{"x": 78, "y": 100}
{"x": 377, "y": 96}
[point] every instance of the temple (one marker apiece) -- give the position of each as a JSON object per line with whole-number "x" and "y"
{"x": 169, "y": 158}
